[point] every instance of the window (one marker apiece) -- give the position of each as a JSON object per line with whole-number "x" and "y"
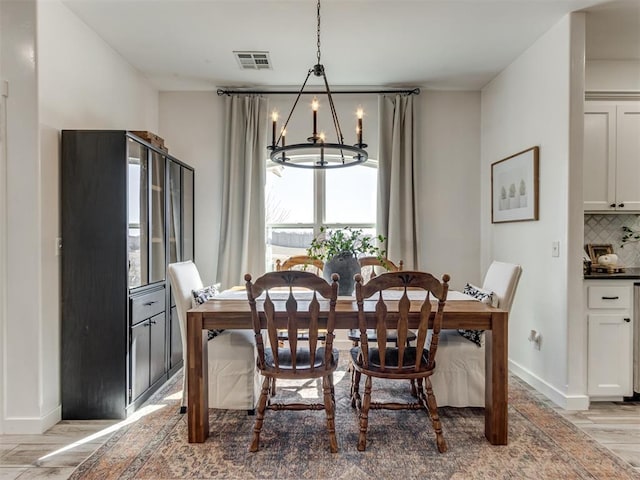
{"x": 299, "y": 201}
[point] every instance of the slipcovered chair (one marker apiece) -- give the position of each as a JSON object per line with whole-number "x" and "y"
{"x": 460, "y": 377}
{"x": 234, "y": 380}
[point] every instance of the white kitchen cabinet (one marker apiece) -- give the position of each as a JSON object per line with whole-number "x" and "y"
{"x": 611, "y": 157}
{"x": 609, "y": 314}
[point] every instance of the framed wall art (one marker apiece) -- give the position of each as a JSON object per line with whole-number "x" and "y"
{"x": 514, "y": 187}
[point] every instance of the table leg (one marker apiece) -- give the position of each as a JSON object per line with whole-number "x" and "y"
{"x": 197, "y": 380}
{"x": 496, "y": 420}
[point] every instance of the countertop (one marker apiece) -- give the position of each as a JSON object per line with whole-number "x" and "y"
{"x": 631, "y": 273}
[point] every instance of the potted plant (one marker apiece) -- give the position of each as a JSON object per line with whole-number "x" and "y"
{"x": 504, "y": 203}
{"x": 339, "y": 249}
{"x": 513, "y": 201}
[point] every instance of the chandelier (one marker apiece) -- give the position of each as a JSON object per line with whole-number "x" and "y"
{"x": 317, "y": 152}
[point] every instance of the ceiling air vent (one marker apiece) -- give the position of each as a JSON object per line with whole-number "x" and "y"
{"x": 253, "y": 60}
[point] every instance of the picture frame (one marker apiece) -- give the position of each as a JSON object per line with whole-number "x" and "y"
{"x": 515, "y": 187}
{"x": 596, "y": 250}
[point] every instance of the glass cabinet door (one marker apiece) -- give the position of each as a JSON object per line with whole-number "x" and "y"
{"x": 174, "y": 214}
{"x": 157, "y": 253}
{"x": 138, "y": 214}
{"x": 187, "y": 213}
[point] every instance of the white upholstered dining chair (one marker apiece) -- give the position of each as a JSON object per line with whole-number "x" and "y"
{"x": 460, "y": 377}
{"x": 234, "y": 380}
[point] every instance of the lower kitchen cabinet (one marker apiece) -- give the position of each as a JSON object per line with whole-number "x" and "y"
{"x": 609, "y": 313}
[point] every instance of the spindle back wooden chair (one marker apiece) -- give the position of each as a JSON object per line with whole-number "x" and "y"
{"x": 368, "y": 266}
{"x": 398, "y": 362}
{"x": 301, "y": 262}
{"x": 294, "y": 360}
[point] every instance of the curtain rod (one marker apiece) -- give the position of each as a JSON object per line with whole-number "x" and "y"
{"x": 413, "y": 91}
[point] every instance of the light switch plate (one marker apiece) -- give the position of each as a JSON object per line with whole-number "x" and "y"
{"x": 555, "y": 249}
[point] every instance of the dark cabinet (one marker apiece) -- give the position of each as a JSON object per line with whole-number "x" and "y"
{"x": 180, "y": 226}
{"x": 127, "y": 211}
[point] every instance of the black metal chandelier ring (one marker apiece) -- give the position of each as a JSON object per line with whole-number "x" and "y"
{"x": 326, "y": 155}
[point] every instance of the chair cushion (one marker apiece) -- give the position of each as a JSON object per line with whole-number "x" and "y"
{"x": 484, "y": 296}
{"x": 390, "y": 357}
{"x": 200, "y": 296}
{"x": 392, "y": 336}
{"x": 303, "y": 358}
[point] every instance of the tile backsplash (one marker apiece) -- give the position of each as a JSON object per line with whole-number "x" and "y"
{"x": 608, "y": 229}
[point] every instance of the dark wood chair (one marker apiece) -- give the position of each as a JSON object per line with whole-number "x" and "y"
{"x": 399, "y": 362}
{"x": 307, "y": 264}
{"x": 369, "y": 265}
{"x": 307, "y": 360}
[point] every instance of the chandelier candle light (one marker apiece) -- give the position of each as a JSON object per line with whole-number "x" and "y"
{"x": 317, "y": 153}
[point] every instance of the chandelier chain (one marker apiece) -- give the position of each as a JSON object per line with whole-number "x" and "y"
{"x": 322, "y": 154}
{"x": 318, "y": 53}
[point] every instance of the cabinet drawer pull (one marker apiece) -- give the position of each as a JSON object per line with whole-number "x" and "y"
{"x": 627, "y": 320}
{"x": 613, "y": 205}
{"x": 621, "y": 205}
{"x": 611, "y": 298}
{"x": 150, "y": 303}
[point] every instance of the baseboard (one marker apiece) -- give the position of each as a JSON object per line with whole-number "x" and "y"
{"x": 32, "y": 426}
{"x": 568, "y": 402}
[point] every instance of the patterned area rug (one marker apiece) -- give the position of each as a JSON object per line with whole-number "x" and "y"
{"x": 294, "y": 445}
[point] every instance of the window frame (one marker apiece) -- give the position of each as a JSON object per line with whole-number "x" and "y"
{"x": 319, "y": 207}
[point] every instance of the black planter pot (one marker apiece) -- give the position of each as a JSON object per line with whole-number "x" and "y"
{"x": 345, "y": 265}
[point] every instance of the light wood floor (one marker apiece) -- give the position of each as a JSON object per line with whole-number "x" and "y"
{"x": 56, "y": 453}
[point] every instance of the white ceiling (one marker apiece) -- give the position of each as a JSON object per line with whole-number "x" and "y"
{"x": 454, "y": 44}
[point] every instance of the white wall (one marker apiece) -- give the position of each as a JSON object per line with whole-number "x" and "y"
{"x": 90, "y": 88}
{"x": 21, "y": 330}
{"x": 613, "y": 75}
{"x": 192, "y": 124}
{"x": 448, "y": 133}
{"x": 525, "y": 105}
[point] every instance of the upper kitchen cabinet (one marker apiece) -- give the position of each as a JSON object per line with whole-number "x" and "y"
{"x": 612, "y": 157}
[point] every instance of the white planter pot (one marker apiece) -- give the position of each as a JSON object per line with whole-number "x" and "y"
{"x": 523, "y": 201}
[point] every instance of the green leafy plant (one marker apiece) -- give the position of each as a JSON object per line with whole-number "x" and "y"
{"x": 629, "y": 235}
{"x": 330, "y": 243}
{"x": 523, "y": 188}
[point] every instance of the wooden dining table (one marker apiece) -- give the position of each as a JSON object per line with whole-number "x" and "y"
{"x": 235, "y": 314}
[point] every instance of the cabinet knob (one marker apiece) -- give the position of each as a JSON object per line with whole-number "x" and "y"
{"x": 627, "y": 320}
{"x": 612, "y": 205}
{"x": 621, "y": 205}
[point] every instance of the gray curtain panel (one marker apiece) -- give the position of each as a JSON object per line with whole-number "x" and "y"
{"x": 242, "y": 230}
{"x": 396, "y": 167}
